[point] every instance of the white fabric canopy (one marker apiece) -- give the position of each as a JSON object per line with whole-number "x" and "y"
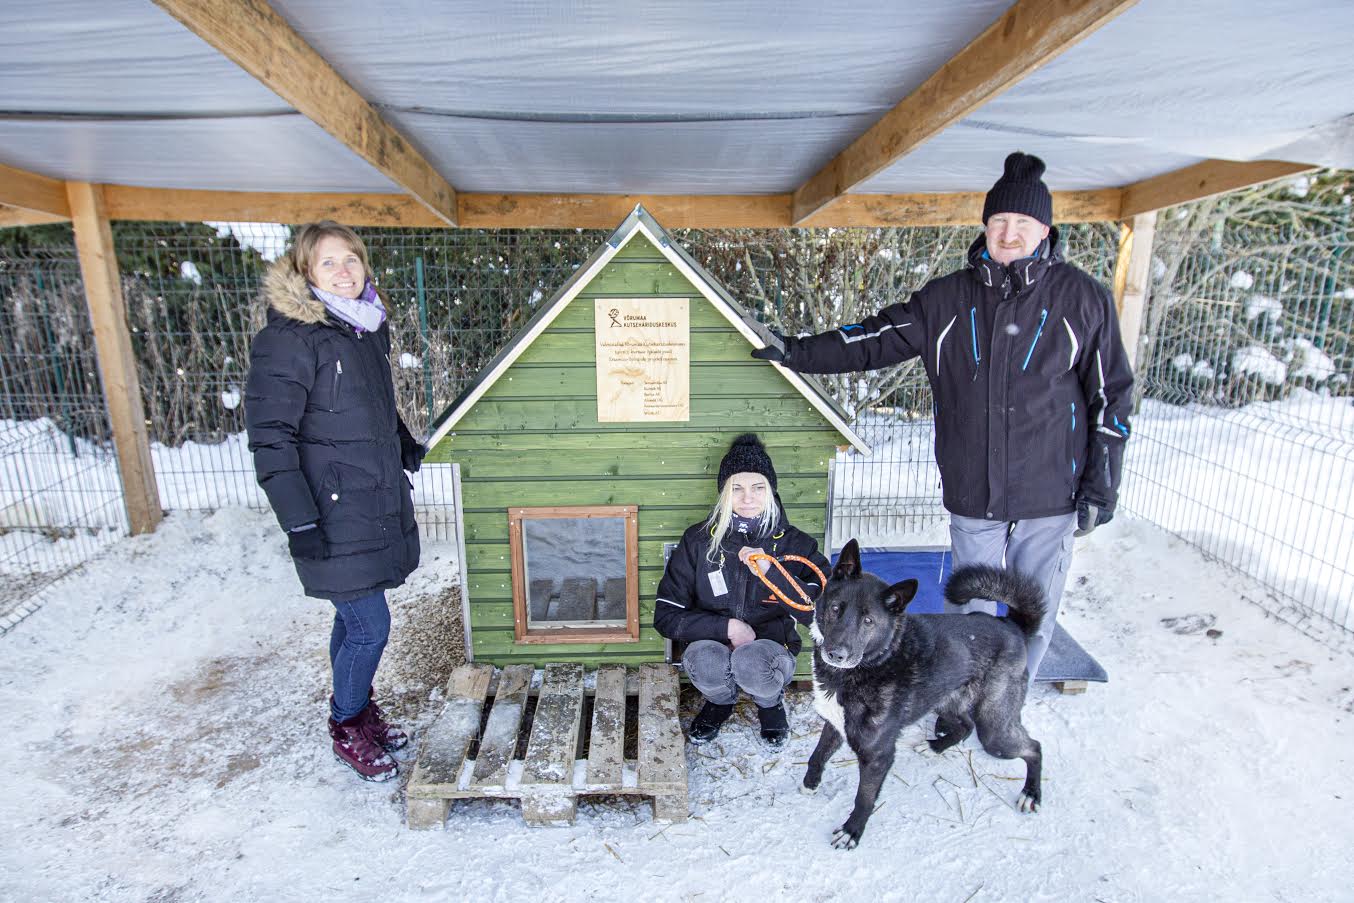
{"x": 668, "y": 96}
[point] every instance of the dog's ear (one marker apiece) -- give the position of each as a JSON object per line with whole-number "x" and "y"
{"x": 900, "y": 594}
{"x": 848, "y": 562}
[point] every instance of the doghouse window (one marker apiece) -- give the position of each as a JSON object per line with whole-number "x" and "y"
{"x": 575, "y": 574}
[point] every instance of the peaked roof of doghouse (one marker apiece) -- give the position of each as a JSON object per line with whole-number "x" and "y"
{"x": 640, "y": 222}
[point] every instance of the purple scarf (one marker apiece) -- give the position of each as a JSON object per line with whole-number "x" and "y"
{"x": 365, "y": 313}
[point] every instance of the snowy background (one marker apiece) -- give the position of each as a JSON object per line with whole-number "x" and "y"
{"x": 168, "y": 742}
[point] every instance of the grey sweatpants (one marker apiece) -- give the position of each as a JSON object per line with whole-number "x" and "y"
{"x": 761, "y": 669}
{"x": 1040, "y": 547}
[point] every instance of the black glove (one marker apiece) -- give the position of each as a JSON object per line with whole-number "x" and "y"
{"x": 306, "y": 542}
{"x": 1099, "y": 487}
{"x": 1090, "y": 516}
{"x": 411, "y": 455}
{"x": 411, "y": 450}
{"x": 773, "y": 352}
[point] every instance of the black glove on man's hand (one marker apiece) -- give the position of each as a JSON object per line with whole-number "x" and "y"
{"x": 773, "y": 352}
{"x": 411, "y": 456}
{"x": 1090, "y": 516}
{"x": 1100, "y": 484}
{"x": 306, "y": 542}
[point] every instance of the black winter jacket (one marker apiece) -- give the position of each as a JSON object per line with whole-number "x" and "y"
{"x": 326, "y": 439}
{"x": 690, "y": 609}
{"x": 1031, "y": 384}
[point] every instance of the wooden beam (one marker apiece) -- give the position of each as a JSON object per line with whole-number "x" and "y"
{"x": 17, "y": 216}
{"x": 483, "y": 211}
{"x": 1132, "y": 278}
{"x": 578, "y": 211}
{"x": 117, "y": 364}
{"x": 1203, "y": 180}
{"x": 261, "y": 42}
{"x": 181, "y": 205}
{"x": 33, "y": 193}
{"x": 959, "y": 209}
{"x": 605, "y": 211}
{"x": 1029, "y": 34}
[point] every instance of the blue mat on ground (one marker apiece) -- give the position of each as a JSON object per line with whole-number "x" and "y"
{"x": 1065, "y": 659}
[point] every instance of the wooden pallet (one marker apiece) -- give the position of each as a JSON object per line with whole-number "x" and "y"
{"x": 551, "y": 777}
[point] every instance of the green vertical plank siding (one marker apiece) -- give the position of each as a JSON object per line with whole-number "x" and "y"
{"x": 533, "y": 440}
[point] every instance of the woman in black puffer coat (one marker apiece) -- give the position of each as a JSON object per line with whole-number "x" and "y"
{"x": 330, "y": 452}
{"x": 739, "y": 636}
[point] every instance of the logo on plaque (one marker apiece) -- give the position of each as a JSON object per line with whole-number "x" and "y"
{"x": 643, "y": 360}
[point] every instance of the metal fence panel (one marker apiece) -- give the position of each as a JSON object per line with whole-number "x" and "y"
{"x": 60, "y": 492}
{"x": 1245, "y": 442}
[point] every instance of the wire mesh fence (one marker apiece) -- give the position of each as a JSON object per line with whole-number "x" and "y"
{"x": 457, "y": 296}
{"x": 1244, "y": 444}
{"x": 60, "y": 493}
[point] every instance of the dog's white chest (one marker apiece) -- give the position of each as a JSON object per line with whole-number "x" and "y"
{"x": 829, "y": 708}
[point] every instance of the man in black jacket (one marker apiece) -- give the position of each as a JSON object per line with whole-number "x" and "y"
{"x": 1031, "y": 383}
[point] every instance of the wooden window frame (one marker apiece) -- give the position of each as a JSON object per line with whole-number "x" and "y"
{"x": 522, "y": 631}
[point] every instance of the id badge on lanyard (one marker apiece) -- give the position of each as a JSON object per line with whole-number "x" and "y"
{"x": 717, "y": 584}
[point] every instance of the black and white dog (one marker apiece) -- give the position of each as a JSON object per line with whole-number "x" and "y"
{"x": 877, "y": 669}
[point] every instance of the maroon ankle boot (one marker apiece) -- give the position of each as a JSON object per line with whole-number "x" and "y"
{"x": 382, "y": 732}
{"x": 354, "y": 747}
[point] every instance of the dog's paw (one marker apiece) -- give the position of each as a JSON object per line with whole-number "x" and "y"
{"x": 842, "y": 839}
{"x": 809, "y": 791}
{"x": 1027, "y": 803}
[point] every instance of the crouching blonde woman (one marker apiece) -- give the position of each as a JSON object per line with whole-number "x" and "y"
{"x": 710, "y": 599}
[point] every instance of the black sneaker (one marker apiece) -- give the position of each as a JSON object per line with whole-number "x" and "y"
{"x": 775, "y": 725}
{"x": 705, "y": 726}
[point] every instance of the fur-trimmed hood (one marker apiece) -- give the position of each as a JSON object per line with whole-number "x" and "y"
{"x": 289, "y": 294}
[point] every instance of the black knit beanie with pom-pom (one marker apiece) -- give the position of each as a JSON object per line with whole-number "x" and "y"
{"x": 746, "y": 455}
{"x": 1021, "y": 190}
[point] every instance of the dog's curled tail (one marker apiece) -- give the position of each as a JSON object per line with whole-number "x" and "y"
{"x": 1018, "y": 591}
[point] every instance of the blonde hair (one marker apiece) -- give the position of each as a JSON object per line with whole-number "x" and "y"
{"x": 721, "y": 516}
{"x": 302, "y": 252}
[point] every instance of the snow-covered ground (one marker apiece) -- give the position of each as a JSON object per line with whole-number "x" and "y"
{"x": 168, "y": 708}
{"x": 167, "y": 742}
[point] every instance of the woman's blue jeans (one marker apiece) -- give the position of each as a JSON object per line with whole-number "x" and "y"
{"x": 361, "y": 628}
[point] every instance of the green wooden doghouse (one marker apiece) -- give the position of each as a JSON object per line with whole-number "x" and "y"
{"x": 586, "y": 447}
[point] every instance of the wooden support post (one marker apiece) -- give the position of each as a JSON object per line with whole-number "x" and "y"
{"x": 1132, "y": 277}
{"x": 117, "y": 365}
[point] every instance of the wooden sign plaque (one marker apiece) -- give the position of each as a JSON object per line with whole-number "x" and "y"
{"x": 643, "y": 360}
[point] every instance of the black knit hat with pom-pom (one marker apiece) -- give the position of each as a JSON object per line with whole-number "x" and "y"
{"x": 1021, "y": 190}
{"x": 746, "y": 455}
